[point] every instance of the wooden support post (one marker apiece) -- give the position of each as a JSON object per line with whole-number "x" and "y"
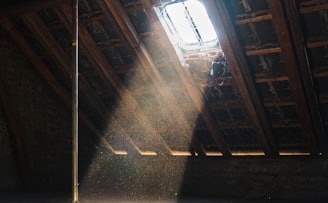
{"x": 75, "y": 100}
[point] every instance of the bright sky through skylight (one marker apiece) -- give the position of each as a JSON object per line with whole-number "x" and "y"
{"x": 184, "y": 28}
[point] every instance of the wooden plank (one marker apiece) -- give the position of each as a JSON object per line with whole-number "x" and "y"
{"x": 263, "y": 51}
{"x": 240, "y": 71}
{"x": 123, "y": 94}
{"x": 298, "y": 87}
{"x": 311, "y": 9}
{"x": 317, "y": 44}
{"x": 305, "y": 72}
{"x": 187, "y": 79}
{"x": 29, "y": 6}
{"x": 49, "y": 77}
{"x": 254, "y": 19}
{"x": 15, "y": 129}
{"x": 240, "y": 104}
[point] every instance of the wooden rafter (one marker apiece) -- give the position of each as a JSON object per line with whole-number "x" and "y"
{"x": 133, "y": 38}
{"x": 123, "y": 93}
{"x": 16, "y": 131}
{"x": 187, "y": 79}
{"x": 49, "y": 77}
{"x": 298, "y": 89}
{"x": 305, "y": 73}
{"x": 240, "y": 72}
{"x": 93, "y": 99}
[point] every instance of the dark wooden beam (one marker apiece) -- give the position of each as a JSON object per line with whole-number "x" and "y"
{"x": 109, "y": 74}
{"x": 29, "y": 6}
{"x": 38, "y": 27}
{"x": 15, "y": 129}
{"x": 50, "y": 78}
{"x": 298, "y": 88}
{"x": 240, "y": 71}
{"x": 305, "y": 73}
{"x": 187, "y": 78}
{"x": 149, "y": 67}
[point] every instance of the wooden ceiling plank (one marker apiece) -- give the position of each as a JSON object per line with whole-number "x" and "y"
{"x": 17, "y": 135}
{"x": 109, "y": 74}
{"x": 148, "y": 65}
{"x": 187, "y": 79}
{"x": 49, "y": 77}
{"x": 240, "y": 72}
{"x": 295, "y": 80}
{"x": 306, "y": 75}
{"x": 29, "y": 6}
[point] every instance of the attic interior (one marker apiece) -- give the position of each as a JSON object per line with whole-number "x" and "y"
{"x": 238, "y": 117}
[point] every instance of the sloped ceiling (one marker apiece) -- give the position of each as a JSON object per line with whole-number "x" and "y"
{"x": 138, "y": 99}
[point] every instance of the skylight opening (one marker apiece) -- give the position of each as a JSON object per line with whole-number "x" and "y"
{"x": 189, "y": 25}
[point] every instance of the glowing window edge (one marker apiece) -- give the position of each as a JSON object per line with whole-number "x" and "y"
{"x": 182, "y": 46}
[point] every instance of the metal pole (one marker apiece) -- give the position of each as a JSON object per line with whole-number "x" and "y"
{"x": 75, "y": 112}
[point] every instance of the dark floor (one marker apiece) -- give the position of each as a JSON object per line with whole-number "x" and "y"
{"x": 58, "y": 198}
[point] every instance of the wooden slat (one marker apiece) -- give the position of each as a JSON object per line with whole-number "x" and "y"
{"x": 295, "y": 81}
{"x": 305, "y": 72}
{"x": 254, "y": 19}
{"x": 311, "y": 9}
{"x": 240, "y": 72}
{"x": 15, "y": 129}
{"x": 240, "y": 104}
{"x": 123, "y": 94}
{"x": 263, "y": 51}
{"x": 142, "y": 53}
{"x": 29, "y": 6}
{"x": 317, "y": 44}
{"x": 187, "y": 79}
{"x": 49, "y": 77}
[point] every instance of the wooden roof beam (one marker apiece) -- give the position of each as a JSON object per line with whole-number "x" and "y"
{"x": 133, "y": 38}
{"x": 40, "y": 30}
{"x": 305, "y": 72}
{"x": 110, "y": 75}
{"x": 50, "y": 78}
{"x": 240, "y": 72}
{"x": 187, "y": 78}
{"x": 300, "y": 79}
